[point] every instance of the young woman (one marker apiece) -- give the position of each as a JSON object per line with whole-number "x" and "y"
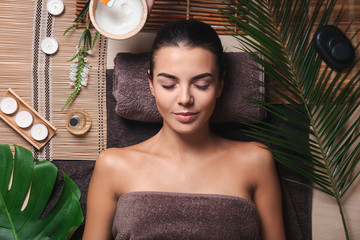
{"x": 185, "y": 182}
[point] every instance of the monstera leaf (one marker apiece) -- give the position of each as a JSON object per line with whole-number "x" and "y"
{"x": 25, "y": 188}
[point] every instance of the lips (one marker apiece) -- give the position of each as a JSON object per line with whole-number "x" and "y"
{"x": 185, "y": 117}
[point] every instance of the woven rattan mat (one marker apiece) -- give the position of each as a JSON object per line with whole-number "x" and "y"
{"x": 165, "y": 11}
{"x": 43, "y": 81}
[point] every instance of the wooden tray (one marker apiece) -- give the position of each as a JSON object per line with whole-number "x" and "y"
{"x": 37, "y": 118}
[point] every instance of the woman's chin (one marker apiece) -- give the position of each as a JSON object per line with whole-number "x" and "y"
{"x": 189, "y": 128}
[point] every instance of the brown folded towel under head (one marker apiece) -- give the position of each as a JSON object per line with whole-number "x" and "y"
{"x": 135, "y": 102}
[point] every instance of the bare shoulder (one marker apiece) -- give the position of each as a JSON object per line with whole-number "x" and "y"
{"x": 115, "y": 167}
{"x": 261, "y": 163}
{"x": 258, "y": 153}
{"x": 260, "y": 157}
{"x": 253, "y": 151}
{"x": 254, "y": 156}
{"x": 111, "y": 158}
{"x": 115, "y": 159}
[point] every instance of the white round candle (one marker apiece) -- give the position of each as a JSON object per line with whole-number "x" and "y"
{"x": 49, "y": 45}
{"x": 55, "y": 7}
{"x": 23, "y": 119}
{"x": 8, "y": 105}
{"x": 39, "y": 132}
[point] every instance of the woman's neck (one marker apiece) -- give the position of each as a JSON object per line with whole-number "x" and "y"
{"x": 173, "y": 143}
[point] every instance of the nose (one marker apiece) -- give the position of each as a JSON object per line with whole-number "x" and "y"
{"x": 185, "y": 97}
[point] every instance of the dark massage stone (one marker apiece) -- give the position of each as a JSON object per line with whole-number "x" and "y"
{"x": 334, "y": 47}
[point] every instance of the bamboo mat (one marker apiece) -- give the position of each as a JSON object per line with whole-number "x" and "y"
{"x": 166, "y": 11}
{"x": 43, "y": 81}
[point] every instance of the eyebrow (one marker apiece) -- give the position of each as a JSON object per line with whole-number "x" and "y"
{"x": 203, "y": 75}
{"x": 166, "y": 75}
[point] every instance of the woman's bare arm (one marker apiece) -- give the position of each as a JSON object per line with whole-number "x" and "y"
{"x": 101, "y": 199}
{"x": 267, "y": 196}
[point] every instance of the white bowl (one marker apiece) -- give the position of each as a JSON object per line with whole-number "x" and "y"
{"x": 108, "y": 14}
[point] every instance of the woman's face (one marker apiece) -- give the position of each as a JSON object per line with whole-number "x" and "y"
{"x": 185, "y": 85}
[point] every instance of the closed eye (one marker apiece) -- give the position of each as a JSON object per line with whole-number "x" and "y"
{"x": 202, "y": 87}
{"x": 168, "y": 81}
{"x": 168, "y": 86}
{"x": 202, "y": 81}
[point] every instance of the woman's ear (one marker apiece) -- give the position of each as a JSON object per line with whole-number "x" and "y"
{"x": 150, "y": 80}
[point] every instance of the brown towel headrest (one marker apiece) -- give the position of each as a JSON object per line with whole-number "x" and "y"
{"x": 134, "y": 100}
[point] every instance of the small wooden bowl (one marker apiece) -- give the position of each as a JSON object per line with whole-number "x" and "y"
{"x": 92, "y": 11}
{"x": 83, "y": 124}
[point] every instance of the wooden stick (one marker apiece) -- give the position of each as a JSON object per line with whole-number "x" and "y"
{"x": 191, "y": 5}
{"x": 200, "y": 15}
{"x": 168, "y": 12}
{"x": 208, "y": 11}
{"x": 211, "y": 1}
{"x": 197, "y": 13}
{"x": 165, "y": 7}
{"x": 211, "y": 21}
{"x": 183, "y": 2}
{"x": 187, "y": 9}
{"x": 218, "y": 19}
{"x": 162, "y": 2}
{"x": 193, "y": 10}
{"x": 79, "y": 9}
{"x": 160, "y": 18}
{"x": 210, "y": 6}
{"x": 205, "y": 18}
{"x": 219, "y": 30}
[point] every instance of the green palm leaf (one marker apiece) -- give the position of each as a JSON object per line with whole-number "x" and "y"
{"x": 21, "y": 175}
{"x": 281, "y": 31}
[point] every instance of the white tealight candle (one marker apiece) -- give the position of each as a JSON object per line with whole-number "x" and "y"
{"x": 39, "y": 132}
{"x": 8, "y": 105}
{"x": 23, "y": 119}
{"x": 55, "y": 7}
{"x": 49, "y": 45}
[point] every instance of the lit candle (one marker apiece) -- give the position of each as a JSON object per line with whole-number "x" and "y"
{"x": 55, "y": 7}
{"x": 23, "y": 119}
{"x": 8, "y": 105}
{"x": 49, "y": 45}
{"x": 39, "y": 132}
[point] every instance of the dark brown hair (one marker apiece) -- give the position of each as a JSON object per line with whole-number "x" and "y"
{"x": 191, "y": 33}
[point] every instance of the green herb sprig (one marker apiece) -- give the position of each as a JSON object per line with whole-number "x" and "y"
{"x": 79, "y": 72}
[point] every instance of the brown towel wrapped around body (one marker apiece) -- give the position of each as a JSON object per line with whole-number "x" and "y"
{"x": 135, "y": 102}
{"x": 167, "y": 215}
